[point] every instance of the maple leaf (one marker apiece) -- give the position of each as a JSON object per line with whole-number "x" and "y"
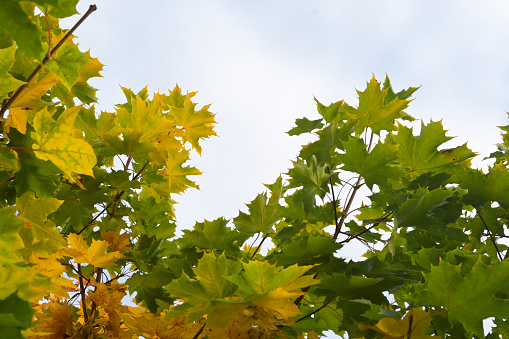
{"x": 177, "y": 174}
{"x": 53, "y": 321}
{"x": 54, "y": 142}
{"x": 110, "y": 299}
{"x": 410, "y": 327}
{"x": 373, "y": 111}
{"x": 312, "y": 178}
{"x": 67, "y": 63}
{"x": 116, "y": 241}
{"x": 7, "y": 82}
{"x": 16, "y": 22}
{"x": 195, "y": 124}
{"x": 420, "y": 154}
{"x": 469, "y": 298}
{"x": 95, "y": 254}
{"x": 39, "y": 234}
{"x": 262, "y": 216}
{"x": 375, "y": 167}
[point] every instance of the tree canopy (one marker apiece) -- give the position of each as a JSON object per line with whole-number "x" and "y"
{"x": 87, "y": 224}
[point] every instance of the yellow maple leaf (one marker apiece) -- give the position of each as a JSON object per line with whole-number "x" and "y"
{"x": 22, "y": 108}
{"x": 117, "y": 242}
{"x": 195, "y": 124}
{"x": 177, "y": 174}
{"x": 410, "y": 327}
{"x": 52, "y": 323}
{"x": 54, "y": 141}
{"x": 279, "y": 300}
{"x": 95, "y": 254}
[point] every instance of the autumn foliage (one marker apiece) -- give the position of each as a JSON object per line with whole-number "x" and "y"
{"x": 87, "y": 226}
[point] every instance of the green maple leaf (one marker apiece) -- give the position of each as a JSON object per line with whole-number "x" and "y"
{"x": 375, "y": 167}
{"x": 214, "y": 235}
{"x": 206, "y": 293}
{"x": 15, "y": 316}
{"x": 469, "y": 299}
{"x": 7, "y": 82}
{"x": 483, "y": 188}
{"x": 262, "y": 216}
{"x": 373, "y": 111}
{"x": 34, "y": 174}
{"x": 420, "y": 154}
{"x": 39, "y": 233}
{"x": 416, "y": 210}
{"x": 331, "y": 113}
{"x": 305, "y": 125}
{"x": 260, "y": 277}
{"x": 306, "y": 249}
{"x": 312, "y": 178}
{"x": 58, "y": 8}
{"x": 10, "y": 225}
{"x": 67, "y": 63}
{"x": 16, "y": 22}
{"x": 330, "y": 138}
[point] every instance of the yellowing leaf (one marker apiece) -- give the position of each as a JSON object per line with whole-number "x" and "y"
{"x": 30, "y": 97}
{"x": 39, "y": 233}
{"x": 411, "y": 326}
{"x": 7, "y": 82}
{"x": 54, "y": 323}
{"x": 195, "y": 124}
{"x": 177, "y": 174}
{"x": 95, "y": 254}
{"x": 116, "y": 241}
{"x": 279, "y": 300}
{"x": 55, "y": 143}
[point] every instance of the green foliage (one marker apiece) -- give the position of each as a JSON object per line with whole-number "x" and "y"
{"x": 86, "y": 215}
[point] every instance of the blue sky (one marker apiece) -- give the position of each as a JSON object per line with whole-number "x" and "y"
{"x": 259, "y": 63}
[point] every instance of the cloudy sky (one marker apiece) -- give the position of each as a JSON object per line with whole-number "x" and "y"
{"x": 259, "y": 63}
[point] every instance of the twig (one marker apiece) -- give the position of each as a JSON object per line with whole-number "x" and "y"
{"x": 334, "y": 202}
{"x": 493, "y": 240}
{"x": 115, "y": 200}
{"x": 260, "y": 245}
{"x": 376, "y": 223}
{"x": 45, "y": 60}
{"x": 315, "y": 311}
{"x": 82, "y": 291}
{"x": 199, "y": 331}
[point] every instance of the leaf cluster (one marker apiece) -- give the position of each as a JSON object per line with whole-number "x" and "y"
{"x": 87, "y": 219}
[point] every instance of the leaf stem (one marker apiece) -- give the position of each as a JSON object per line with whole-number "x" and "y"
{"x": 45, "y": 60}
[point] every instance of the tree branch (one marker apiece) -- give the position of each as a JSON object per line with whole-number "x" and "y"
{"x": 45, "y": 60}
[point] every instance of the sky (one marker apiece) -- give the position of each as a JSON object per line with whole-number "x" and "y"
{"x": 260, "y": 63}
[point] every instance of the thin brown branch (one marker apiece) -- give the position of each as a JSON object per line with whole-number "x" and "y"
{"x": 7, "y": 180}
{"x": 334, "y": 202}
{"x": 492, "y": 237}
{"x": 376, "y": 223}
{"x": 49, "y": 36}
{"x": 199, "y": 331}
{"x": 346, "y": 209}
{"x": 314, "y": 312}
{"x": 82, "y": 292}
{"x": 260, "y": 245}
{"x": 45, "y": 60}
{"x": 115, "y": 200}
